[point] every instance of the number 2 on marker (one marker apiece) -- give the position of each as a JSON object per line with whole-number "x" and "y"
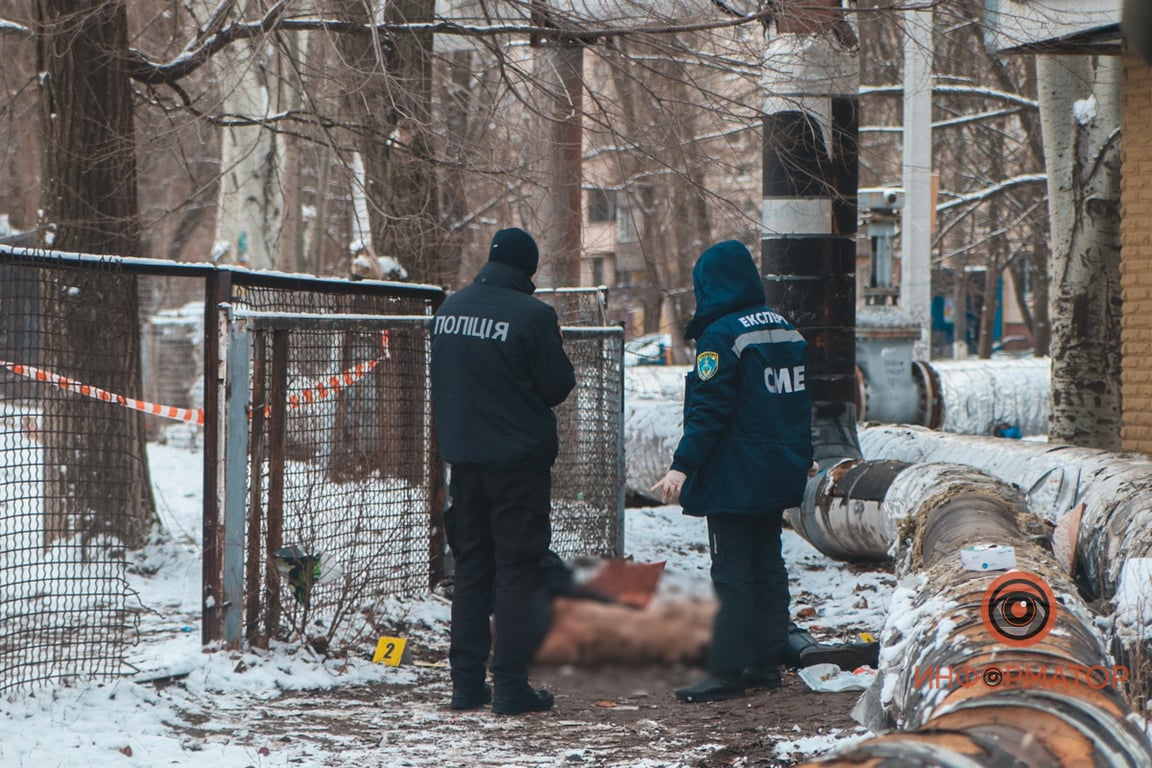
{"x": 389, "y": 651}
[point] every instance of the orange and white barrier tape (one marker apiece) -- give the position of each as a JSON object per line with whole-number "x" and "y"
{"x": 322, "y": 389}
{"x": 333, "y": 385}
{"x": 190, "y": 415}
{"x": 318, "y": 391}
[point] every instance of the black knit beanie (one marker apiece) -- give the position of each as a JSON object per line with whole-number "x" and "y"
{"x": 516, "y": 248}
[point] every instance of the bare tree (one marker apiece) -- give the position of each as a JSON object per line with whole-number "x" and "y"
{"x": 988, "y": 154}
{"x": 1080, "y": 99}
{"x": 97, "y": 480}
{"x": 671, "y": 114}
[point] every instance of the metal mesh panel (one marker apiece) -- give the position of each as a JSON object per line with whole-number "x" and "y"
{"x": 577, "y": 306}
{"x": 251, "y": 293}
{"x": 347, "y": 484}
{"x": 71, "y": 478}
{"x": 587, "y": 479}
{"x": 350, "y": 494}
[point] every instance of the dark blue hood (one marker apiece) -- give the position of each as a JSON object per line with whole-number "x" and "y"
{"x": 726, "y": 279}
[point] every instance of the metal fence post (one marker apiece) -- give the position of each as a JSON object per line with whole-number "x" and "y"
{"x": 617, "y": 342}
{"x": 235, "y": 486}
{"x": 218, "y": 288}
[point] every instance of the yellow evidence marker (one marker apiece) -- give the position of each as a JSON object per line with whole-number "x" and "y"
{"x": 392, "y": 651}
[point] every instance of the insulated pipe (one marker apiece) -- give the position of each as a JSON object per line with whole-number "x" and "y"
{"x": 1115, "y": 488}
{"x": 974, "y": 397}
{"x": 853, "y": 511}
{"x": 841, "y": 514}
{"x": 808, "y": 232}
{"x": 961, "y": 694}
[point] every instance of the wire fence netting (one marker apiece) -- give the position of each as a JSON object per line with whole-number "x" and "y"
{"x": 347, "y": 505}
{"x": 74, "y": 483}
{"x": 588, "y": 478}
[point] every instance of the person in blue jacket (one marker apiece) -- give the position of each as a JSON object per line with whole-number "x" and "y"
{"x": 745, "y": 457}
{"x": 498, "y": 369}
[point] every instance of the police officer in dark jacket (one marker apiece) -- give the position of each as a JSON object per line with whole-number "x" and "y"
{"x": 498, "y": 368}
{"x": 744, "y": 458}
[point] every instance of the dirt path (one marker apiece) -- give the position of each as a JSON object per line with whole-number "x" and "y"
{"x": 603, "y": 717}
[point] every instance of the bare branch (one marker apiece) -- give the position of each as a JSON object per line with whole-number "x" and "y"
{"x": 14, "y": 29}
{"x": 145, "y": 70}
{"x": 959, "y": 90}
{"x": 216, "y": 20}
{"x": 1003, "y": 231}
{"x": 986, "y": 192}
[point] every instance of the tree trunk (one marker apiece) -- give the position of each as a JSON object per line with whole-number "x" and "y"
{"x": 389, "y": 94}
{"x": 1080, "y": 113}
{"x": 1036, "y": 265}
{"x": 250, "y": 204}
{"x": 20, "y": 150}
{"x": 413, "y": 229}
{"x": 988, "y": 305}
{"x": 96, "y": 479}
{"x": 960, "y": 311}
{"x": 560, "y": 67}
{"x": 994, "y": 261}
{"x": 454, "y": 194}
{"x": 1020, "y": 268}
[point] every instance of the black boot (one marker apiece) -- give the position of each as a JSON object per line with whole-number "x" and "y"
{"x": 803, "y": 650}
{"x": 471, "y": 696}
{"x": 762, "y": 677}
{"x": 712, "y": 689}
{"x": 519, "y": 699}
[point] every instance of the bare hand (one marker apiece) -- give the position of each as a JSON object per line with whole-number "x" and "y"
{"x": 813, "y": 470}
{"x": 670, "y": 485}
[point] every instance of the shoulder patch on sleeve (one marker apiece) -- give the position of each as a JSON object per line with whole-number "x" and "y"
{"x": 707, "y": 363}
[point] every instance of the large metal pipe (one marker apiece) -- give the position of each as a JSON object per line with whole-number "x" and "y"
{"x": 1115, "y": 489}
{"x": 976, "y": 397}
{"x": 842, "y": 513}
{"x": 959, "y": 694}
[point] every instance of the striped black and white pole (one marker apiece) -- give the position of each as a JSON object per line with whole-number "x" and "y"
{"x": 808, "y": 235}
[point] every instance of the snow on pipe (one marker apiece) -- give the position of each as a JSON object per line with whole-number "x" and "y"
{"x": 1114, "y": 526}
{"x": 960, "y": 695}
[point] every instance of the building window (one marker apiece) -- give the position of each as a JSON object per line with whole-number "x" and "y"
{"x": 601, "y": 205}
{"x": 597, "y": 271}
{"x": 629, "y": 229}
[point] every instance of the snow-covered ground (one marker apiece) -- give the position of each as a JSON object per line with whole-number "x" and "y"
{"x": 209, "y": 718}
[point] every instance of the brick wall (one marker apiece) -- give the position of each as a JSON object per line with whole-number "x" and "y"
{"x": 1136, "y": 255}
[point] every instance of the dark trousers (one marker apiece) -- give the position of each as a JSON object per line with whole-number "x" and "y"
{"x": 751, "y": 583}
{"x": 499, "y": 530}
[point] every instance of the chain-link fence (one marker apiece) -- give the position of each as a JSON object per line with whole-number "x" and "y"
{"x": 588, "y": 478}
{"x": 330, "y": 411}
{"x": 331, "y": 466}
{"x": 75, "y": 490}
